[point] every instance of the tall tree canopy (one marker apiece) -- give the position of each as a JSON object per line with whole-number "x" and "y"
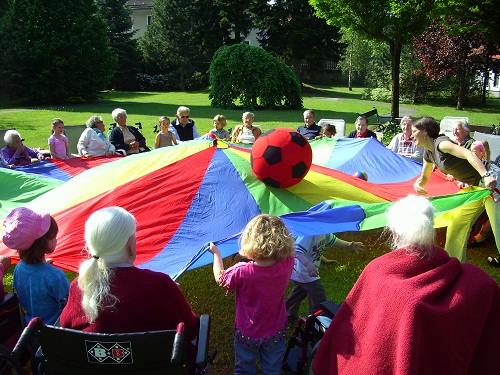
{"x": 391, "y": 21}
{"x": 117, "y": 15}
{"x": 291, "y": 30}
{"x": 54, "y": 52}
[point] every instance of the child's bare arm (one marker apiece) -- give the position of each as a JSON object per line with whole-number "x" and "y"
{"x": 174, "y": 140}
{"x": 354, "y": 246}
{"x": 310, "y": 266}
{"x": 157, "y": 140}
{"x": 218, "y": 266}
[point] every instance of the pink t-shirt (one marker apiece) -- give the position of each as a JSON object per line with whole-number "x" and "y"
{"x": 59, "y": 144}
{"x": 260, "y": 296}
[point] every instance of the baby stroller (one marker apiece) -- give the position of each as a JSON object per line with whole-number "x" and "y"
{"x": 304, "y": 342}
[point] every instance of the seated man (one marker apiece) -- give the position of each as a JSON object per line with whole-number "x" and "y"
{"x": 415, "y": 310}
{"x": 309, "y": 130}
{"x": 183, "y": 127}
{"x": 362, "y": 129}
{"x": 461, "y": 132}
{"x": 15, "y": 153}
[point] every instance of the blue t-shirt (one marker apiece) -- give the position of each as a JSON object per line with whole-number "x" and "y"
{"x": 42, "y": 290}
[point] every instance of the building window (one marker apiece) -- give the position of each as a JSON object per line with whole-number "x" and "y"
{"x": 149, "y": 20}
{"x": 495, "y": 80}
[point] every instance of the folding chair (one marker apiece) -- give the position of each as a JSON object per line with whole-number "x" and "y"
{"x": 64, "y": 351}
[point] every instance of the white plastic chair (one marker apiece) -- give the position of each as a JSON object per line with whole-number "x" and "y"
{"x": 338, "y": 123}
{"x": 446, "y": 125}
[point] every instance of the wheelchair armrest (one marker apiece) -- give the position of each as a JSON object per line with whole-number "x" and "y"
{"x": 202, "y": 345}
{"x": 178, "y": 341}
{"x": 330, "y": 308}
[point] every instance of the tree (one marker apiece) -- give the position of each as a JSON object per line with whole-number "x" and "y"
{"x": 117, "y": 15}
{"x": 291, "y": 31}
{"x": 462, "y": 55}
{"x": 254, "y": 77}
{"x": 392, "y": 21}
{"x": 54, "y": 52}
{"x": 169, "y": 42}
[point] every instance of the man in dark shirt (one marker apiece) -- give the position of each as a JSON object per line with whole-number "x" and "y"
{"x": 183, "y": 127}
{"x": 309, "y": 130}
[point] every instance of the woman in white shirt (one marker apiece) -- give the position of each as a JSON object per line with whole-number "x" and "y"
{"x": 93, "y": 141}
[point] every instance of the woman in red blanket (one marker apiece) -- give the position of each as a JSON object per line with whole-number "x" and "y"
{"x": 415, "y": 310}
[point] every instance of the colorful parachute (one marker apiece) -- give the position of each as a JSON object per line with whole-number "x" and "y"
{"x": 183, "y": 197}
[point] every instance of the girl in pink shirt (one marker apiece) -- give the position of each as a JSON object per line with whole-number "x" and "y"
{"x": 260, "y": 287}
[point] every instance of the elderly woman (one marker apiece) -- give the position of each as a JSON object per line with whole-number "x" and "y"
{"x": 414, "y": 310}
{"x": 466, "y": 167}
{"x": 15, "y": 153}
{"x": 246, "y": 133}
{"x": 124, "y": 136}
{"x": 93, "y": 141}
{"x": 110, "y": 295}
{"x": 404, "y": 144}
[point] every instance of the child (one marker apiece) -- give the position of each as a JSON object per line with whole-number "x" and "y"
{"x": 58, "y": 142}
{"x": 4, "y": 266}
{"x": 42, "y": 289}
{"x": 328, "y": 131}
{"x": 165, "y": 137}
{"x": 305, "y": 277}
{"x": 259, "y": 286}
{"x": 218, "y": 129}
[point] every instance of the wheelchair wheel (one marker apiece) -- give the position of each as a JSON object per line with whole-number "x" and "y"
{"x": 8, "y": 366}
{"x": 308, "y": 370}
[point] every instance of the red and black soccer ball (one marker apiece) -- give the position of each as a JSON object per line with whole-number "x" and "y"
{"x": 281, "y": 157}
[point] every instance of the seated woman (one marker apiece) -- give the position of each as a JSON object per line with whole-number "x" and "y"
{"x": 93, "y": 141}
{"x": 246, "y": 133}
{"x": 126, "y": 137}
{"x": 415, "y": 310}
{"x": 15, "y": 153}
{"x": 110, "y": 295}
{"x": 404, "y": 144}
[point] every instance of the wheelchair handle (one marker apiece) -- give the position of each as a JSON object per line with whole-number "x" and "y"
{"x": 177, "y": 347}
{"x": 25, "y": 337}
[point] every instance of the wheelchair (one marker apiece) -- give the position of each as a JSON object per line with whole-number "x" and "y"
{"x": 63, "y": 351}
{"x": 306, "y": 336}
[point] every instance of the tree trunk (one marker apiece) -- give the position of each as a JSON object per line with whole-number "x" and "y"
{"x": 461, "y": 89}
{"x": 484, "y": 89}
{"x": 350, "y": 67}
{"x": 395, "y": 48}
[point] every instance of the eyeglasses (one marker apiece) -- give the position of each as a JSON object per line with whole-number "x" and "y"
{"x": 99, "y": 122}
{"x": 184, "y": 116}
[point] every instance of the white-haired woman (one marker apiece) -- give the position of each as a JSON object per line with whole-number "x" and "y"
{"x": 246, "y": 133}
{"x": 126, "y": 137}
{"x": 15, "y": 153}
{"x": 110, "y": 295}
{"x": 93, "y": 141}
{"x": 415, "y": 310}
{"x": 404, "y": 144}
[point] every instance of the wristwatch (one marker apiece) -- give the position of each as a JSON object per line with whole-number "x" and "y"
{"x": 487, "y": 174}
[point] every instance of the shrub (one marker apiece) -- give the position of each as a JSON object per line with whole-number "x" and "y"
{"x": 253, "y": 77}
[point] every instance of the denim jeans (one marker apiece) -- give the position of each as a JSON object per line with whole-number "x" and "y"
{"x": 247, "y": 350}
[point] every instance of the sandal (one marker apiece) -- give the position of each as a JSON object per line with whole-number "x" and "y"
{"x": 494, "y": 261}
{"x": 474, "y": 243}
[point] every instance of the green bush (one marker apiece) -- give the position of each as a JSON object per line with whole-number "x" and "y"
{"x": 253, "y": 77}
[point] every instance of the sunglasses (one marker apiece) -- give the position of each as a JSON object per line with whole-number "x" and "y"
{"x": 184, "y": 116}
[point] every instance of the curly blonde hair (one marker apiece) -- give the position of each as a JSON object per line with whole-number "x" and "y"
{"x": 266, "y": 237}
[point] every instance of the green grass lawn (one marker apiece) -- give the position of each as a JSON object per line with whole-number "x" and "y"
{"x": 329, "y": 102}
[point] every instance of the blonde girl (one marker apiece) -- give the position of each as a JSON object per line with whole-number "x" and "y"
{"x": 165, "y": 137}
{"x": 218, "y": 129}
{"x": 58, "y": 142}
{"x": 259, "y": 286}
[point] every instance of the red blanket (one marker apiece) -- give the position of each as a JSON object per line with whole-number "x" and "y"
{"x": 405, "y": 315}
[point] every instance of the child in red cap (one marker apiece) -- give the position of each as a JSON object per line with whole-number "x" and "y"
{"x": 42, "y": 289}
